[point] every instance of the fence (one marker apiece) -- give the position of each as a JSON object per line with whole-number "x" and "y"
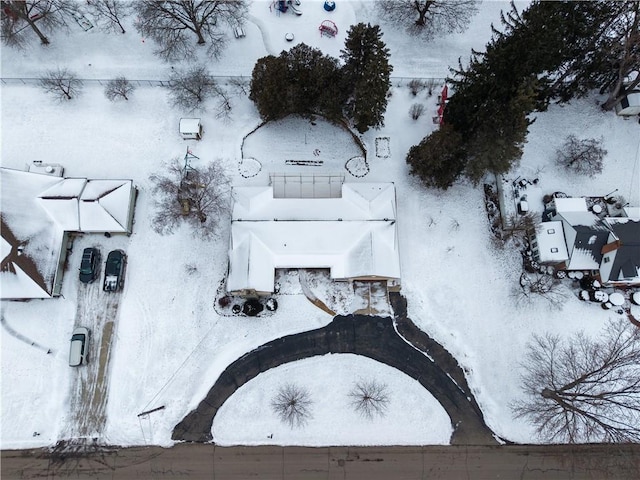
{"x": 395, "y": 81}
{"x": 103, "y": 81}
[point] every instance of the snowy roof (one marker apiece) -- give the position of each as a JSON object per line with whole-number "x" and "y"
{"x": 189, "y": 125}
{"x": 551, "y": 243}
{"x": 19, "y": 276}
{"x": 575, "y": 211}
{"x": 354, "y": 236}
{"x": 363, "y": 201}
{"x": 571, "y": 204}
{"x": 586, "y": 251}
{"x": 36, "y": 211}
{"x": 78, "y": 204}
{"x": 28, "y": 272}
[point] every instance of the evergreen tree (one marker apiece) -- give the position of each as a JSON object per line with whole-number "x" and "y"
{"x": 573, "y": 47}
{"x": 439, "y": 159}
{"x": 301, "y": 81}
{"x": 496, "y": 143}
{"x": 267, "y": 80}
{"x": 365, "y": 75}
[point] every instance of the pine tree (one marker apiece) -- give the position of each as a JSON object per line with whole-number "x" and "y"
{"x": 439, "y": 159}
{"x": 267, "y": 80}
{"x": 496, "y": 143}
{"x": 301, "y": 81}
{"x": 366, "y": 76}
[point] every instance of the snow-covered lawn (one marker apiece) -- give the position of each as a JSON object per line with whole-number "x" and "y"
{"x": 170, "y": 345}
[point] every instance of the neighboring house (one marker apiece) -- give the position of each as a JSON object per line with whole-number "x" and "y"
{"x": 39, "y": 212}
{"x": 578, "y": 238}
{"x": 621, "y": 255}
{"x": 354, "y": 236}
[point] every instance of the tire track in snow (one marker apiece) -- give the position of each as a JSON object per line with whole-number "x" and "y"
{"x": 89, "y": 390}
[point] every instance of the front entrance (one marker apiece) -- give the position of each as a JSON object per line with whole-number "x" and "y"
{"x": 372, "y": 296}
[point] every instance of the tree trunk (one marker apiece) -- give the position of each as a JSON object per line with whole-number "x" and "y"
{"x": 32, "y": 23}
{"x": 422, "y": 12}
{"x": 198, "y": 32}
{"x": 618, "y": 93}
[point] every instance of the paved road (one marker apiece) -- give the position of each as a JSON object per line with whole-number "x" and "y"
{"x": 372, "y": 337}
{"x": 199, "y": 461}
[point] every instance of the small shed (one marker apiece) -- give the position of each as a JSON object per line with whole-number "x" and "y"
{"x": 630, "y": 104}
{"x": 190, "y": 128}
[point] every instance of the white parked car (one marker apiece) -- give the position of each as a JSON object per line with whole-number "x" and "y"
{"x": 79, "y": 346}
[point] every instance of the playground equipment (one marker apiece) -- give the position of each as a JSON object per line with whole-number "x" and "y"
{"x": 284, "y": 5}
{"x": 329, "y": 6}
{"x": 328, "y": 28}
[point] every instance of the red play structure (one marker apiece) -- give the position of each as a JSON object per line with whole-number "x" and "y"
{"x": 328, "y": 28}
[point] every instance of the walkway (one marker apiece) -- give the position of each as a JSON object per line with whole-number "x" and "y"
{"x": 372, "y": 337}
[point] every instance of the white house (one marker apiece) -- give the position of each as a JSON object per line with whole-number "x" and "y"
{"x": 40, "y": 212}
{"x": 354, "y": 236}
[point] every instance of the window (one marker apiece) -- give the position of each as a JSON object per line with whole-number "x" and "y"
{"x": 554, "y": 250}
{"x": 606, "y": 259}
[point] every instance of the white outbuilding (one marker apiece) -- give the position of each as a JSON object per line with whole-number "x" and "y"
{"x": 191, "y": 128}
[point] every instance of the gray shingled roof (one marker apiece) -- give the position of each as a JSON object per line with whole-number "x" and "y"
{"x": 626, "y": 263}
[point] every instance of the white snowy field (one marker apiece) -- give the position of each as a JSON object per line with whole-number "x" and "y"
{"x": 170, "y": 345}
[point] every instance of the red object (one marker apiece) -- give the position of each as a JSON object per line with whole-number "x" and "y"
{"x": 443, "y": 102}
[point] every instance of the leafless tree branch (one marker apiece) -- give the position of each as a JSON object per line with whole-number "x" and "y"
{"x": 199, "y": 198}
{"x": 292, "y": 404}
{"x": 583, "y": 389}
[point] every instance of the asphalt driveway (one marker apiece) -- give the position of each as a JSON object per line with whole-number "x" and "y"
{"x": 372, "y": 337}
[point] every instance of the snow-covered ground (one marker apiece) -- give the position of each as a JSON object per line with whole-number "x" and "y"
{"x": 170, "y": 344}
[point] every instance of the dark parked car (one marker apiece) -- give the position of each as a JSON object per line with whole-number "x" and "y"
{"x": 114, "y": 271}
{"x": 89, "y": 265}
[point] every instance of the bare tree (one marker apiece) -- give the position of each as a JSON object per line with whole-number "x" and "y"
{"x": 61, "y": 83}
{"x": 41, "y": 17}
{"x": 583, "y": 389}
{"x": 292, "y": 404}
{"x": 416, "y": 110}
{"x": 539, "y": 285}
{"x": 416, "y": 86}
{"x": 518, "y": 224}
{"x": 183, "y": 194}
{"x": 370, "y": 398}
{"x": 191, "y": 88}
{"x": 583, "y": 156}
{"x": 169, "y": 23}
{"x": 119, "y": 87}
{"x": 240, "y": 86}
{"x": 428, "y": 17}
{"x": 109, "y": 14}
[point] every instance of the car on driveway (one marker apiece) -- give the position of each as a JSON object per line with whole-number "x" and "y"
{"x": 79, "y": 346}
{"x": 89, "y": 264}
{"x": 114, "y": 271}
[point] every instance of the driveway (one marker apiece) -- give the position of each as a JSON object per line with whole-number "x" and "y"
{"x": 98, "y": 311}
{"x": 372, "y": 337}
